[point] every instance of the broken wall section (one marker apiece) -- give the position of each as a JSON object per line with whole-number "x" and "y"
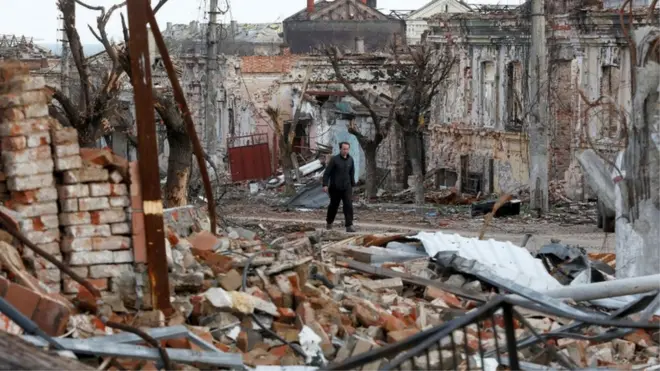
{"x": 45, "y": 168}
{"x": 28, "y": 165}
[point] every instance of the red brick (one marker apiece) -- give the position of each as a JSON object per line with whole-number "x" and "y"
{"x": 51, "y": 317}
{"x": 23, "y": 299}
{"x": 395, "y": 336}
{"x": 204, "y": 240}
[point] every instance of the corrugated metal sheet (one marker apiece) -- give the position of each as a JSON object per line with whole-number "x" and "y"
{"x": 506, "y": 259}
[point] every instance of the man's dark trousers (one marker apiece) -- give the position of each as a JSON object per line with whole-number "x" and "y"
{"x": 346, "y": 198}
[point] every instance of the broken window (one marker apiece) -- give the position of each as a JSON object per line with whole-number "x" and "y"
{"x": 232, "y": 128}
{"x": 446, "y": 178}
{"x": 609, "y": 87}
{"x": 514, "y": 96}
{"x": 488, "y": 94}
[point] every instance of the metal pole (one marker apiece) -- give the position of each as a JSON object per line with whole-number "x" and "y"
{"x": 211, "y": 99}
{"x": 511, "y": 342}
{"x": 608, "y": 289}
{"x": 152, "y": 203}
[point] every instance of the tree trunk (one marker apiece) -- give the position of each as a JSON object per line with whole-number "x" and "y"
{"x": 371, "y": 178}
{"x": 287, "y": 167}
{"x": 414, "y": 154}
{"x": 179, "y": 164}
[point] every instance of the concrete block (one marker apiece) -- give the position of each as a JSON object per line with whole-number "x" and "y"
{"x": 90, "y": 258}
{"x": 43, "y": 237}
{"x": 73, "y": 244}
{"x": 21, "y": 83}
{"x": 73, "y": 191}
{"x": 68, "y": 163}
{"x": 28, "y": 126}
{"x": 24, "y": 183}
{"x": 120, "y": 201}
{"x": 66, "y": 150}
{"x": 123, "y": 256}
{"x": 13, "y": 143}
{"x": 37, "y": 209}
{"x": 36, "y": 195}
{"x": 120, "y": 228}
{"x": 88, "y": 231}
{"x": 69, "y": 205}
{"x": 109, "y": 270}
{"x": 24, "y": 98}
{"x": 64, "y": 135}
{"x": 26, "y": 155}
{"x": 78, "y": 218}
{"x": 39, "y": 223}
{"x": 85, "y": 175}
{"x": 48, "y": 275}
{"x": 116, "y": 177}
{"x": 108, "y": 216}
{"x": 112, "y": 243}
{"x": 38, "y": 139}
{"x": 30, "y": 168}
{"x": 93, "y": 203}
{"x": 24, "y": 112}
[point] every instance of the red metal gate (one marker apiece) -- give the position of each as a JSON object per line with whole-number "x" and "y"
{"x": 249, "y": 157}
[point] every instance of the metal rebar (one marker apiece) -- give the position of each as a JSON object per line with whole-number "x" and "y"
{"x": 152, "y": 203}
{"x": 509, "y": 329}
{"x": 180, "y": 99}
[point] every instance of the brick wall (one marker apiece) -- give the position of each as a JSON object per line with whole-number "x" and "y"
{"x": 268, "y": 64}
{"x": 73, "y": 202}
{"x": 561, "y": 114}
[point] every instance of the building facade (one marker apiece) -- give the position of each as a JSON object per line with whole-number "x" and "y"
{"x": 478, "y": 129}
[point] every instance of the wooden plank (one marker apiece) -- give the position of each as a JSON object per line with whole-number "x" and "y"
{"x": 17, "y": 354}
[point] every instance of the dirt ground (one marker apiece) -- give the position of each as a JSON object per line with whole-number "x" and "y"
{"x": 571, "y": 224}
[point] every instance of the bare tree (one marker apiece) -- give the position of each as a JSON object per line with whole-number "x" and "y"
{"x": 96, "y": 104}
{"x": 381, "y": 123}
{"x": 91, "y": 119}
{"x": 425, "y": 74}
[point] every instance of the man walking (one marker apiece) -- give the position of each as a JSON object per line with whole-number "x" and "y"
{"x": 338, "y": 181}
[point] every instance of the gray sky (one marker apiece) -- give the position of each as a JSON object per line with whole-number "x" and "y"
{"x": 39, "y": 18}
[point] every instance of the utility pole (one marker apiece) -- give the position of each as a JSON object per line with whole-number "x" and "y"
{"x": 65, "y": 67}
{"x": 211, "y": 99}
{"x": 538, "y": 98}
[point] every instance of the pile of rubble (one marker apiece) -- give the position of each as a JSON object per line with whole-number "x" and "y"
{"x": 313, "y": 298}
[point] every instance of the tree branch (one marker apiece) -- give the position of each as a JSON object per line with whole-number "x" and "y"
{"x": 67, "y": 7}
{"x": 70, "y": 111}
{"x": 333, "y": 55}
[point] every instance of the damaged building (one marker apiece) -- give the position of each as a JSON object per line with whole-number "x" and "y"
{"x": 477, "y": 136}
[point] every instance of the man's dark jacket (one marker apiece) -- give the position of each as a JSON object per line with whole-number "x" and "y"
{"x": 340, "y": 173}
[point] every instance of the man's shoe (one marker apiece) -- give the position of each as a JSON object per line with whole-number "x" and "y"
{"x": 328, "y": 226}
{"x": 350, "y": 229}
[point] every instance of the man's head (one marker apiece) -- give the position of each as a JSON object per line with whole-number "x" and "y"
{"x": 344, "y": 147}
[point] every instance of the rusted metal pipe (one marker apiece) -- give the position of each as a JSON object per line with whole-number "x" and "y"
{"x": 152, "y": 203}
{"x": 185, "y": 113}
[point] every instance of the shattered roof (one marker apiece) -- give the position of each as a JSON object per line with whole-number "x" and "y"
{"x": 323, "y": 8}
